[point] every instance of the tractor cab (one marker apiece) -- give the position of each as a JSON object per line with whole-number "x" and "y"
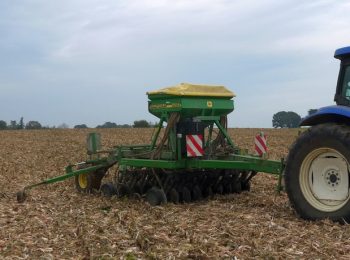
{"x": 339, "y": 113}
{"x": 342, "y": 95}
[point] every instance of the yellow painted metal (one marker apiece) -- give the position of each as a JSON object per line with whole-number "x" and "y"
{"x": 194, "y": 90}
{"x": 83, "y": 181}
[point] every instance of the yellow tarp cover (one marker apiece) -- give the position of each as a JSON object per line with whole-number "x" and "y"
{"x": 187, "y": 89}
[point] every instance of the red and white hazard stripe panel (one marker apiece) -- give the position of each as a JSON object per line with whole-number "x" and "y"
{"x": 194, "y": 145}
{"x": 260, "y": 144}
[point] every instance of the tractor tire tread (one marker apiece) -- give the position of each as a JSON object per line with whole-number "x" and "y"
{"x": 340, "y": 134}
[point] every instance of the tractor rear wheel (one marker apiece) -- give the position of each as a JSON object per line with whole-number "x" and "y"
{"x": 317, "y": 173}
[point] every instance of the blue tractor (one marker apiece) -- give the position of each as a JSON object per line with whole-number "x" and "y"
{"x": 317, "y": 168}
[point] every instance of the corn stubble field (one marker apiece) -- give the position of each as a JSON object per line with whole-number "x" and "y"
{"x": 58, "y": 223}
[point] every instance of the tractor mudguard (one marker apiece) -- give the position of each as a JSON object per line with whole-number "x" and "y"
{"x": 329, "y": 114}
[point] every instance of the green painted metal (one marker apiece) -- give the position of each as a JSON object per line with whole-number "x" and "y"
{"x": 93, "y": 142}
{"x": 204, "y": 109}
{"x": 69, "y": 174}
{"x": 155, "y": 136}
{"x": 223, "y": 130}
{"x": 268, "y": 166}
{"x": 190, "y": 106}
{"x": 150, "y": 163}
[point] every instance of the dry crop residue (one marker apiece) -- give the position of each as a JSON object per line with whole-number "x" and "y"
{"x": 58, "y": 223}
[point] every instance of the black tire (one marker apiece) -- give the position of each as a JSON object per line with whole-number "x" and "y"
{"x": 87, "y": 183}
{"x": 156, "y": 196}
{"x": 328, "y": 144}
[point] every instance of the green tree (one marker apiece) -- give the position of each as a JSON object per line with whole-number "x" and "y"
{"x": 107, "y": 125}
{"x": 33, "y": 125}
{"x": 124, "y": 126}
{"x": 13, "y": 124}
{"x": 140, "y": 124}
{"x": 80, "y": 126}
{"x": 21, "y": 124}
{"x": 3, "y": 125}
{"x": 285, "y": 119}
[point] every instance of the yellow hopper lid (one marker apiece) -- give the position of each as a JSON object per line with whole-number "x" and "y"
{"x": 187, "y": 89}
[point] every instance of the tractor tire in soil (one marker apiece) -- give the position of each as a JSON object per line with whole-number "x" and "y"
{"x": 317, "y": 173}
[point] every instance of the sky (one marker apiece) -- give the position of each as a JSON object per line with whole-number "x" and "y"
{"x": 92, "y": 61}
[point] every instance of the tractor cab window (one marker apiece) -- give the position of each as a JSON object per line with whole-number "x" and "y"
{"x": 346, "y": 83}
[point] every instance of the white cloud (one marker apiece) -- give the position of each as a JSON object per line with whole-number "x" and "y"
{"x": 92, "y": 49}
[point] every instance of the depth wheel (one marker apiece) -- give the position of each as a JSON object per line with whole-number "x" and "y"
{"x": 317, "y": 173}
{"x": 85, "y": 183}
{"x": 155, "y": 196}
{"x": 88, "y": 182}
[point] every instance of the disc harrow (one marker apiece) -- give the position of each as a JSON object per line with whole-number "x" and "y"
{"x": 161, "y": 186}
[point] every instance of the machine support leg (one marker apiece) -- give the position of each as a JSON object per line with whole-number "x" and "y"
{"x": 280, "y": 187}
{"x": 222, "y": 129}
{"x": 156, "y": 134}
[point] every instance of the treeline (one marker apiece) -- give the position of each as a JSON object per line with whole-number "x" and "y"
{"x": 30, "y": 125}
{"x": 13, "y": 125}
{"x": 137, "y": 124}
